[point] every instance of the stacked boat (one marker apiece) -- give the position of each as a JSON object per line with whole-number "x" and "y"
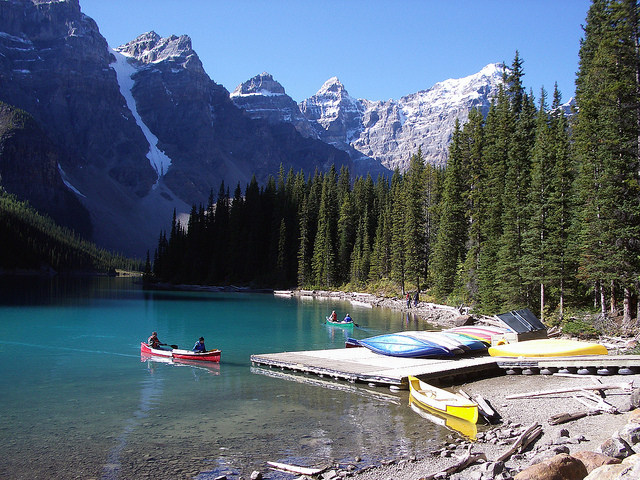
{"x": 446, "y": 343}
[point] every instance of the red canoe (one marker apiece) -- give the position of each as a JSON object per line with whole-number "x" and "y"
{"x": 208, "y": 356}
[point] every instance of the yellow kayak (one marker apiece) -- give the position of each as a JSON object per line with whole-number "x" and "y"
{"x": 547, "y": 347}
{"x": 443, "y": 401}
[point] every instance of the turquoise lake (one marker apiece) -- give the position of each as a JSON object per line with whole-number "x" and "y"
{"x": 78, "y": 401}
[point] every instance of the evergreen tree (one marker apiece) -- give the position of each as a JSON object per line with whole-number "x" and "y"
{"x": 498, "y": 132}
{"x": 536, "y": 268}
{"x": 606, "y": 140}
{"x": 397, "y": 223}
{"x": 449, "y": 250}
{"x": 476, "y": 198}
{"x": 414, "y": 227}
{"x": 324, "y": 262}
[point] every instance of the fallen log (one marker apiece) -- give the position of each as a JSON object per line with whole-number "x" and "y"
{"x": 528, "y": 436}
{"x": 467, "y": 460}
{"x": 568, "y": 417}
{"x": 296, "y": 469}
{"x": 613, "y": 386}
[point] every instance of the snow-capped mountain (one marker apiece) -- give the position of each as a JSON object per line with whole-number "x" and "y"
{"x": 334, "y": 114}
{"x": 390, "y": 131}
{"x": 139, "y": 131}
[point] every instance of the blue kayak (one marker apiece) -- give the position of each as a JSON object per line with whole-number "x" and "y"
{"x": 396, "y": 345}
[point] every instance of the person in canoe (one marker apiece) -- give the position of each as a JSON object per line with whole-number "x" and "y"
{"x": 153, "y": 340}
{"x": 333, "y": 317}
{"x": 347, "y": 319}
{"x": 199, "y": 346}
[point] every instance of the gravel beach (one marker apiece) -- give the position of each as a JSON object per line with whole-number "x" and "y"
{"x": 584, "y": 434}
{"x": 587, "y": 433}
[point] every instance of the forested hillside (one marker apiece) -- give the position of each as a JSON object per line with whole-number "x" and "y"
{"x": 531, "y": 211}
{"x": 33, "y": 242}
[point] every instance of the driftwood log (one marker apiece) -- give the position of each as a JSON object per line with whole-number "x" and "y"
{"x": 467, "y": 460}
{"x": 613, "y": 386}
{"x": 529, "y": 435}
{"x": 296, "y": 469}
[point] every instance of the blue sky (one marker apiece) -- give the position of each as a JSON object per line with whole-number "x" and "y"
{"x": 379, "y": 49}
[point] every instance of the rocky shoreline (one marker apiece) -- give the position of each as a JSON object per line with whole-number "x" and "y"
{"x": 596, "y": 446}
{"x": 603, "y": 445}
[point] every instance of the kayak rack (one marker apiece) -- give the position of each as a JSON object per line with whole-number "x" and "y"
{"x": 363, "y": 365}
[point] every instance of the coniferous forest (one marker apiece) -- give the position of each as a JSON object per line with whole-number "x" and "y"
{"x": 33, "y": 242}
{"x": 535, "y": 208}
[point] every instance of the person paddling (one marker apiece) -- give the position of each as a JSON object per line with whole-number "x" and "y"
{"x": 199, "y": 346}
{"x": 347, "y": 319}
{"x": 153, "y": 340}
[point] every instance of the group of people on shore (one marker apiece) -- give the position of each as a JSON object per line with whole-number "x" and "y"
{"x": 334, "y": 318}
{"x": 415, "y": 298}
{"x": 154, "y": 342}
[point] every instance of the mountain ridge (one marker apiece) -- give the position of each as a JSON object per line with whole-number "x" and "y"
{"x": 384, "y": 131}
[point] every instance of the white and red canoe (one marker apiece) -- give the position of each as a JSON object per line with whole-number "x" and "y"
{"x": 208, "y": 356}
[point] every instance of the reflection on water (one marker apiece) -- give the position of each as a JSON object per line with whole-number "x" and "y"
{"x": 80, "y": 402}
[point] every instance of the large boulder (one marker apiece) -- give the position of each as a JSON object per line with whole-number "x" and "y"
{"x": 630, "y": 434}
{"x": 629, "y": 469}
{"x": 615, "y": 447}
{"x": 593, "y": 460}
{"x": 560, "y": 467}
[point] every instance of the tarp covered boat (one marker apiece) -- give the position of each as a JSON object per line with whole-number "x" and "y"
{"x": 547, "y": 347}
{"x": 208, "y": 356}
{"x": 397, "y": 345}
{"x": 443, "y": 401}
{"x": 456, "y": 347}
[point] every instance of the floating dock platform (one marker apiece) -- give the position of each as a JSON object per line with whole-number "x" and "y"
{"x": 363, "y": 365}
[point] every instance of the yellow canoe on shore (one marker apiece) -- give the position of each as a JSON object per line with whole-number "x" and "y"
{"x": 443, "y": 401}
{"x": 468, "y": 429}
{"x": 547, "y": 347}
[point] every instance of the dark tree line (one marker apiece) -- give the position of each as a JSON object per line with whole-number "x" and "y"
{"x": 31, "y": 241}
{"x": 533, "y": 209}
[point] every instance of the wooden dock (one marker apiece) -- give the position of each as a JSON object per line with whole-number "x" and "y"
{"x": 362, "y": 365}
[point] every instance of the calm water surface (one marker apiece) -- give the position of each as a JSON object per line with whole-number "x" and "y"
{"x": 78, "y": 401}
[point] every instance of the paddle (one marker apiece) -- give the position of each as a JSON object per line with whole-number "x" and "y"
{"x": 172, "y": 346}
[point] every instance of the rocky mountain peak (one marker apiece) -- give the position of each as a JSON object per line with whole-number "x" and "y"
{"x": 386, "y": 132}
{"x": 262, "y": 84}
{"x": 265, "y": 98}
{"x": 333, "y": 86}
{"x": 150, "y": 48}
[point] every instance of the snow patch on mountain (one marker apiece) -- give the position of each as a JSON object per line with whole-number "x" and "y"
{"x": 124, "y": 71}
